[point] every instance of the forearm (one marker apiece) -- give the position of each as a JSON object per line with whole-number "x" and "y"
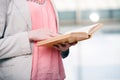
{"x": 15, "y": 45}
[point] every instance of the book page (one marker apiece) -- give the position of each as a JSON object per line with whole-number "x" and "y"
{"x": 95, "y": 28}
{"x": 87, "y": 29}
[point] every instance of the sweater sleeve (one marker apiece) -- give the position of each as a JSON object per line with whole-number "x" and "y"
{"x": 15, "y": 45}
{"x": 65, "y": 53}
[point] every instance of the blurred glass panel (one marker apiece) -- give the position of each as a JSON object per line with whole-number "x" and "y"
{"x": 99, "y": 57}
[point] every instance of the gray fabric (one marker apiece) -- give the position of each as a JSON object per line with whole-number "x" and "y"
{"x": 15, "y": 50}
{"x": 3, "y": 8}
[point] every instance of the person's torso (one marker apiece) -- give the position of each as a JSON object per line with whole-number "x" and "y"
{"x": 18, "y": 20}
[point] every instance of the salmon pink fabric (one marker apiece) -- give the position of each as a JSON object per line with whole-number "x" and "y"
{"x": 46, "y": 62}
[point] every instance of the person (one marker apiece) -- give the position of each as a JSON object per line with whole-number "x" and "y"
{"x": 22, "y": 24}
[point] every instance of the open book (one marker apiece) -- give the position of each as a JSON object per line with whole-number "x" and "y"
{"x": 71, "y": 36}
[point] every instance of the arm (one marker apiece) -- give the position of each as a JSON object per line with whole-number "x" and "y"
{"x": 14, "y": 45}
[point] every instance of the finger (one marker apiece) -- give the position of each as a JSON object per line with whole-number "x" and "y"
{"x": 59, "y": 47}
{"x": 73, "y": 43}
{"x": 63, "y": 45}
{"x": 56, "y": 47}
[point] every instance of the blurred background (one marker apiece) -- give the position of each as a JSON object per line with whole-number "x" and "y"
{"x": 97, "y": 58}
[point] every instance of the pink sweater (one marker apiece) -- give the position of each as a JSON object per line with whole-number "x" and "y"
{"x": 47, "y": 62}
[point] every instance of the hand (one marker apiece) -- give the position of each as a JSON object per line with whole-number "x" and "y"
{"x": 37, "y": 35}
{"x": 65, "y": 46}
